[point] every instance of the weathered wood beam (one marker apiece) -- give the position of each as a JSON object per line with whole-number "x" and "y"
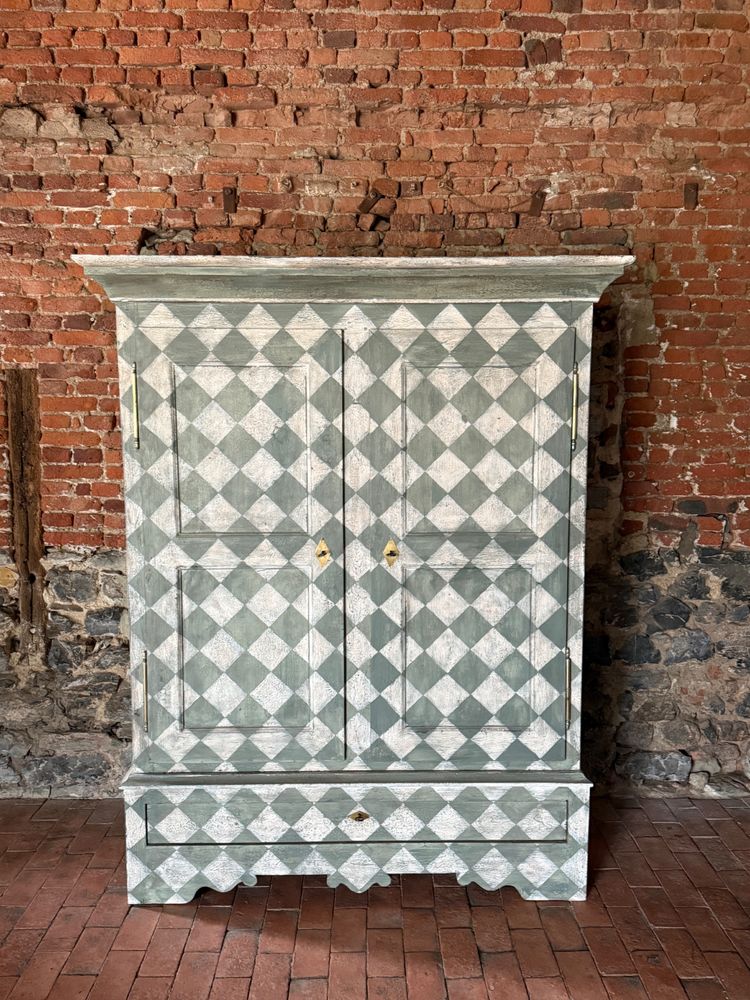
{"x": 24, "y": 434}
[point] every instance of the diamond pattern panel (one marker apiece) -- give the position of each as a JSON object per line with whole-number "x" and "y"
{"x": 417, "y": 379}
{"x": 242, "y": 448}
{"x": 238, "y": 476}
{"x": 292, "y": 814}
{"x": 250, "y": 646}
{"x": 181, "y": 838}
{"x": 461, "y": 449}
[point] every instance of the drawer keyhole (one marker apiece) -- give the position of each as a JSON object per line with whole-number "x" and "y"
{"x": 359, "y": 816}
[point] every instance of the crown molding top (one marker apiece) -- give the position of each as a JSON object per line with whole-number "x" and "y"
{"x": 356, "y": 279}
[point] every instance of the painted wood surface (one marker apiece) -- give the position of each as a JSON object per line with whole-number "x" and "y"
{"x": 428, "y": 448}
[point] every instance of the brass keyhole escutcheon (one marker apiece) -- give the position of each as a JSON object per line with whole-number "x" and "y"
{"x": 323, "y": 553}
{"x": 390, "y": 552}
{"x": 359, "y": 816}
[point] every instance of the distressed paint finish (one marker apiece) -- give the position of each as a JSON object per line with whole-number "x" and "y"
{"x": 182, "y": 837}
{"x": 272, "y": 421}
{"x": 461, "y": 450}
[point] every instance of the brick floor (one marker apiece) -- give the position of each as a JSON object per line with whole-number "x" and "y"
{"x": 667, "y": 918}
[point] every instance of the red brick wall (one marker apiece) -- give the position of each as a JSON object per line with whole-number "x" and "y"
{"x": 377, "y": 127}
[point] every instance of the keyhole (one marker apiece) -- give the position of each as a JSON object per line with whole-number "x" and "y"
{"x": 390, "y": 552}
{"x": 359, "y": 816}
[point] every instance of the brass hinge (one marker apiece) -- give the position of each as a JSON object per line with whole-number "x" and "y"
{"x": 574, "y": 410}
{"x": 144, "y": 680}
{"x": 135, "y": 414}
{"x": 568, "y": 680}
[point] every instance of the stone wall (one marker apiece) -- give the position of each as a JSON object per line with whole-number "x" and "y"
{"x": 668, "y": 663}
{"x": 64, "y": 722}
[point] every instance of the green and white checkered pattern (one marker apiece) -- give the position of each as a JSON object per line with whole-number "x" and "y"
{"x": 267, "y": 427}
{"x": 184, "y": 837}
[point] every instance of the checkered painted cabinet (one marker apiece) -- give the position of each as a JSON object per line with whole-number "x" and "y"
{"x": 355, "y": 497}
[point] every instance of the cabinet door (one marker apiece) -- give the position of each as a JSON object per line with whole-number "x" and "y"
{"x": 463, "y": 462}
{"x": 233, "y": 491}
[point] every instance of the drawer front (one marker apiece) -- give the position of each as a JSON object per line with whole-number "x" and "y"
{"x": 319, "y": 813}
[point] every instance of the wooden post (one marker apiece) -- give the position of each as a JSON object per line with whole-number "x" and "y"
{"x": 25, "y": 504}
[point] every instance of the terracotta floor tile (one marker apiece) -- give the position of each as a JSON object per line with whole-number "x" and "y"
{"x": 581, "y": 975}
{"x": 40, "y": 973}
{"x": 490, "y": 928}
{"x": 741, "y": 942}
{"x": 502, "y": 977}
{"x": 238, "y": 953}
{"x": 74, "y": 988}
{"x": 684, "y": 954}
{"x": 178, "y": 916}
{"x": 608, "y": 951}
{"x": 547, "y": 989}
{"x": 286, "y": 892}
{"x": 561, "y": 928}
{"x": 425, "y": 979}
{"x": 67, "y": 926}
{"x": 658, "y": 976}
{"x": 680, "y": 888}
{"x": 592, "y": 912}
{"x": 136, "y": 930}
{"x": 164, "y": 952}
{"x": 482, "y": 897}
{"x": 270, "y": 977}
{"x": 312, "y": 952}
{"x": 700, "y": 872}
{"x": 18, "y": 948}
{"x": 452, "y": 906}
{"x": 706, "y": 989}
{"x": 637, "y": 871}
{"x": 612, "y": 888}
{"x": 386, "y": 989}
{"x": 10, "y": 917}
{"x": 417, "y": 890}
{"x": 316, "y": 909}
{"x": 633, "y": 928}
{"x": 385, "y": 952}
{"x": 279, "y": 931}
{"x": 23, "y": 888}
{"x": 150, "y": 989}
{"x": 520, "y": 912}
{"x": 624, "y": 988}
{"x": 719, "y": 856}
{"x": 726, "y": 909}
{"x": 308, "y": 989}
{"x": 195, "y": 976}
{"x": 90, "y": 952}
{"x": 732, "y": 972}
{"x": 116, "y": 976}
{"x": 347, "y": 976}
{"x": 249, "y": 907}
{"x": 534, "y": 953}
{"x": 466, "y": 989}
{"x": 657, "y": 908}
{"x": 88, "y": 889}
{"x": 110, "y": 911}
{"x": 209, "y": 927}
{"x": 384, "y": 906}
{"x": 349, "y": 929}
{"x": 458, "y": 947}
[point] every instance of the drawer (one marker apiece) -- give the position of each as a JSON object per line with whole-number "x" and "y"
{"x": 345, "y": 813}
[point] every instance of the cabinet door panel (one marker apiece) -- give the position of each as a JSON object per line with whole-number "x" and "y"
{"x": 239, "y": 479}
{"x": 464, "y": 660}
